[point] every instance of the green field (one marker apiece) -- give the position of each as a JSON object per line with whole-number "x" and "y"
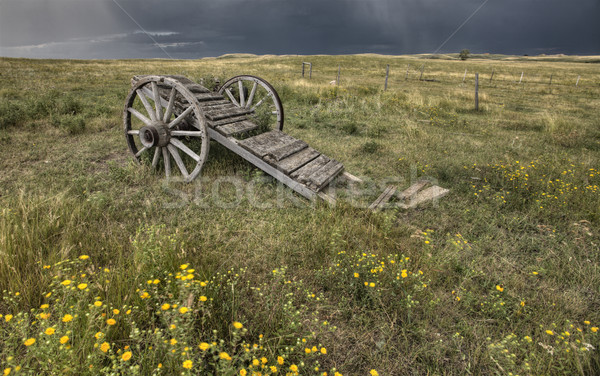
{"x": 501, "y": 276}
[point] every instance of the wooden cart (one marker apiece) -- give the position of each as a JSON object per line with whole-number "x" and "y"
{"x": 171, "y": 119}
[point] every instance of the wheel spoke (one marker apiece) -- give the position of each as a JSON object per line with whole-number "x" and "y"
{"x": 181, "y": 117}
{"x": 169, "y": 110}
{"x": 228, "y": 92}
{"x": 147, "y": 105}
{"x": 187, "y": 134}
{"x": 260, "y": 102}
{"x": 252, "y": 92}
{"x": 157, "y": 100}
{"x": 178, "y": 160}
{"x": 241, "y": 88}
{"x": 138, "y": 115}
{"x": 133, "y": 132}
{"x": 167, "y": 160}
{"x": 185, "y": 149}
{"x": 156, "y": 156}
{"x": 137, "y": 155}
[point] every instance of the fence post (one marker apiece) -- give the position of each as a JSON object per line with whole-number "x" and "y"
{"x": 337, "y": 82}
{"x": 577, "y": 83}
{"x": 465, "y": 76}
{"x": 521, "y": 77}
{"x": 387, "y": 73}
{"x": 302, "y": 69}
{"x": 407, "y": 67}
{"x": 309, "y": 70}
{"x": 551, "y": 79}
{"x": 492, "y": 76}
{"x": 422, "y": 69}
{"x": 476, "y": 91}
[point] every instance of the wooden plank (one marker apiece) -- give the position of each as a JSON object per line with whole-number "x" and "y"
{"x": 202, "y": 97}
{"x": 195, "y": 88}
{"x": 264, "y": 143}
{"x": 208, "y": 105}
{"x": 325, "y": 174}
{"x": 295, "y": 161}
{"x": 233, "y": 145}
{"x": 219, "y": 123}
{"x": 351, "y": 178}
{"x": 425, "y": 195}
{"x": 227, "y": 113}
{"x": 383, "y": 198}
{"x": 286, "y": 150}
{"x": 303, "y": 173}
{"x": 236, "y": 128}
{"x": 412, "y": 190}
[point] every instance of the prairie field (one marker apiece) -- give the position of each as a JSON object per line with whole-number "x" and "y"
{"x": 106, "y": 267}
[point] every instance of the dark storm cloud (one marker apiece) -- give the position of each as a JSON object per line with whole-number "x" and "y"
{"x": 198, "y": 28}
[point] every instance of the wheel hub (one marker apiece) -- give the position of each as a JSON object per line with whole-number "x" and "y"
{"x": 155, "y": 134}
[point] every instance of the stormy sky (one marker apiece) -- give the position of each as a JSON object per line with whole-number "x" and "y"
{"x": 187, "y": 29}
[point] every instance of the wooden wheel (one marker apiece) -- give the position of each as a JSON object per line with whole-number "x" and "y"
{"x": 258, "y": 95}
{"x": 167, "y": 125}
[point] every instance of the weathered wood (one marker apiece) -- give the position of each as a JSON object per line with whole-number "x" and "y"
{"x": 327, "y": 198}
{"x": 185, "y": 149}
{"x": 425, "y": 195}
{"x": 146, "y": 104}
{"x": 412, "y": 190}
{"x": 295, "y": 161}
{"x": 286, "y": 150}
{"x": 219, "y": 123}
{"x": 233, "y": 145}
{"x": 138, "y": 115}
{"x": 236, "y": 128}
{"x": 167, "y": 160}
{"x": 476, "y": 91}
{"x": 202, "y": 97}
{"x": 387, "y": 73}
{"x": 303, "y": 173}
{"x": 227, "y": 113}
{"x": 267, "y": 142}
{"x": 157, "y": 151}
{"x": 178, "y": 160}
{"x": 351, "y": 178}
{"x": 385, "y": 196}
{"x": 325, "y": 175}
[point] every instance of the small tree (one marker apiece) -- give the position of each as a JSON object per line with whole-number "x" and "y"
{"x": 464, "y": 54}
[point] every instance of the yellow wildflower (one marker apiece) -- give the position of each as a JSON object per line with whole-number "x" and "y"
{"x": 280, "y": 360}
{"x": 594, "y": 329}
{"x": 29, "y": 342}
{"x": 7, "y": 371}
{"x": 116, "y": 311}
{"x": 67, "y": 318}
{"x": 111, "y": 322}
{"x": 183, "y": 310}
{"x": 183, "y": 266}
{"x": 188, "y": 364}
{"x": 224, "y": 355}
{"x": 499, "y": 288}
{"x": 66, "y": 282}
{"x": 165, "y": 306}
{"x": 44, "y": 306}
{"x": 204, "y": 346}
{"x": 243, "y": 372}
{"x": 203, "y": 298}
{"x": 323, "y": 350}
{"x": 49, "y": 331}
{"x": 238, "y": 325}
{"x": 126, "y": 356}
{"x": 98, "y": 303}
{"x": 64, "y": 339}
{"x": 104, "y": 347}
{"x": 374, "y": 372}
{"x": 294, "y": 368}
{"x": 550, "y": 332}
{"x": 8, "y": 317}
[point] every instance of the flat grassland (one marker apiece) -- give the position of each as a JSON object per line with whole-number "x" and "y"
{"x": 107, "y": 268}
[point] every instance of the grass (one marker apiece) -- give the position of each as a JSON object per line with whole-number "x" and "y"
{"x": 500, "y": 276}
